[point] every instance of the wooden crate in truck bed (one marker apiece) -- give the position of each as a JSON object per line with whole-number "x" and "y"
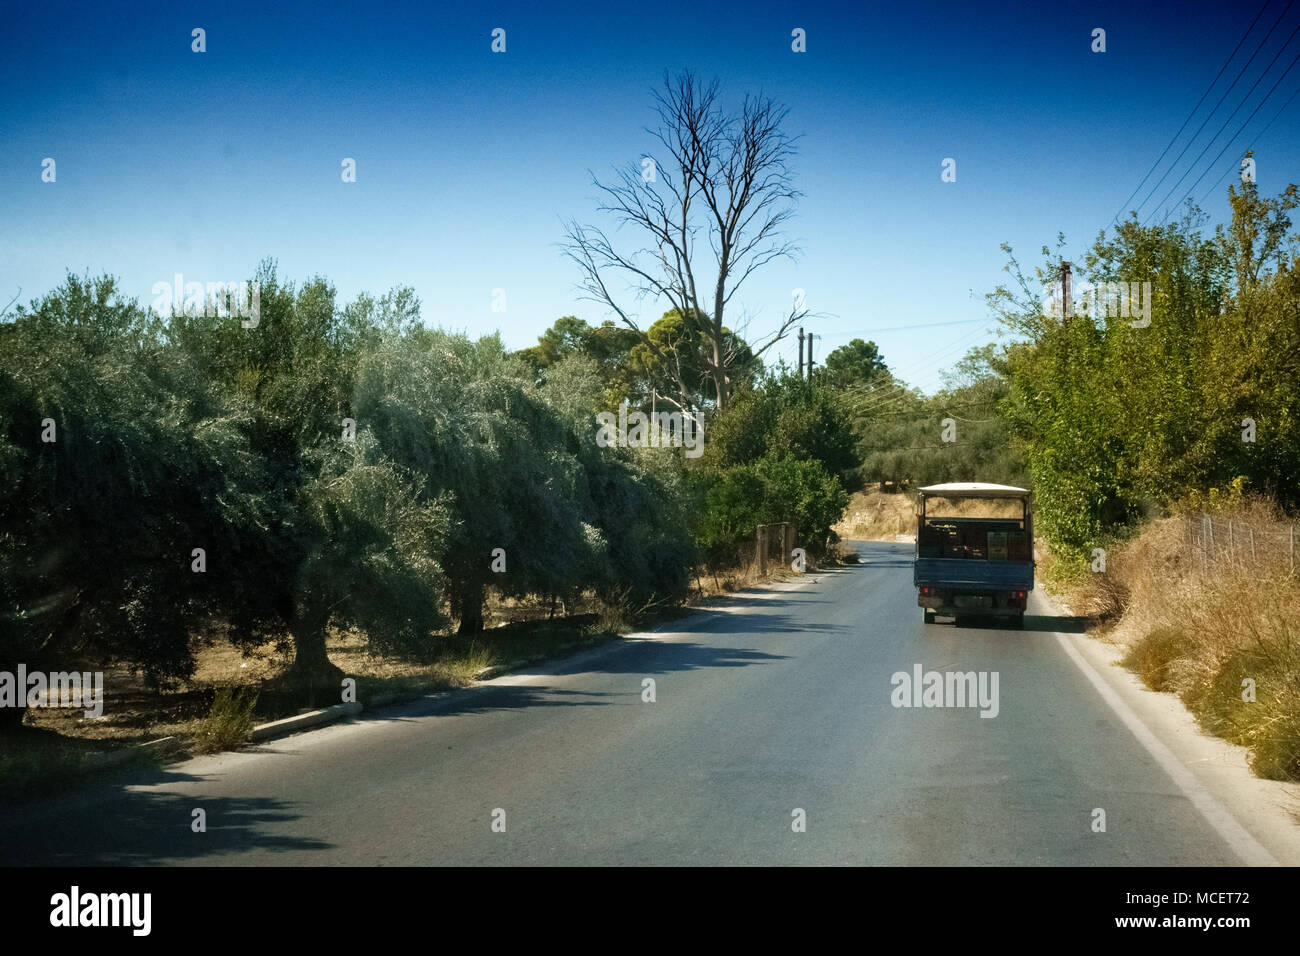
{"x": 992, "y": 539}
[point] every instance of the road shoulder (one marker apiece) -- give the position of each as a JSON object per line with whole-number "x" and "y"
{"x": 1268, "y": 811}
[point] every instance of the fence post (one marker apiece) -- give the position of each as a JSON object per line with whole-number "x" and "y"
{"x": 1292, "y": 549}
{"x": 1209, "y": 529}
{"x": 1231, "y": 552}
{"x": 1252, "y": 545}
{"x": 787, "y": 541}
{"x": 762, "y": 549}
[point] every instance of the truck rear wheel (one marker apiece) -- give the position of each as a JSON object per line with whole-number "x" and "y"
{"x": 929, "y": 616}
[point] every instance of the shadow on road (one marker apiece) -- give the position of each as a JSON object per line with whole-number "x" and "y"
{"x": 733, "y": 622}
{"x": 1033, "y": 622}
{"x": 666, "y": 658}
{"x": 490, "y": 698}
{"x": 1064, "y": 624}
{"x": 881, "y": 561}
{"x": 644, "y": 658}
{"x": 116, "y": 826}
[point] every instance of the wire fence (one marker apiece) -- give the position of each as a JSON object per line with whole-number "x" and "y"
{"x": 1219, "y": 541}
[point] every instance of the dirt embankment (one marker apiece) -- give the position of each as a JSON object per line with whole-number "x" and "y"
{"x": 876, "y": 516}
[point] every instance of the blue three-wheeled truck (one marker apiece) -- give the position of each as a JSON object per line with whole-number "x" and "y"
{"x": 974, "y": 551}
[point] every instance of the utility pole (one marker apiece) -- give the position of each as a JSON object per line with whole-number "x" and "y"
{"x": 1067, "y": 291}
{"x": 801, "y": 351}
{"x": 810, "y": 358}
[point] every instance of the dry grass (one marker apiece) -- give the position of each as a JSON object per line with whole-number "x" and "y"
{"x": 713, "y": 584}
{"x": 1205, "y": 628}
{"x": 974, "y": 508}
{"x": 197, "y": 714}
{"x": 882, "y": 516}
{"x": 876, "y": 516}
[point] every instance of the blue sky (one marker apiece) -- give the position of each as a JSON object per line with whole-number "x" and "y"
{"x": 467, "y": 161}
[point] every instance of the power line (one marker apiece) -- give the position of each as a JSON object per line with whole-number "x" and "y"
{"x": 907, "y": 328}
{"x": 926, "y": 362}
{"x": 902, "y": 392}
{"x": 1242, "y": 128}
{"x": 1227, "y": 121}
{"x": 1258, "y": 137}
{"x": 1236, "y": 80}
{"x": 896, "y": 392}
{"x": 1193, "y": 112}
{"x": 929, "y": 360}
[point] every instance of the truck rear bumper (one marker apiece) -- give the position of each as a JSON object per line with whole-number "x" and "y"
{"x": 972, "y": 601}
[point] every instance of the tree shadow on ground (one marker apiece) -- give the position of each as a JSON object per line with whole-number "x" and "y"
{"x": 109, "y": 824}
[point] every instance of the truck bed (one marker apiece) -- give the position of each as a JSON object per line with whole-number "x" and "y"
{"x": 952, "y": 573}
{"x": 974, "y": 565}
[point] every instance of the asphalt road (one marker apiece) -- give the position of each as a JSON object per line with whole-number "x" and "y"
{"x": 780, "y": 702}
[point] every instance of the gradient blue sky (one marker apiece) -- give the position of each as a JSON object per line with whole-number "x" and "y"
{"x": 171, "y": 161}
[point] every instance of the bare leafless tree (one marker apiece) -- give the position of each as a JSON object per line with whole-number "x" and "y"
{"x": 727, "y": 176}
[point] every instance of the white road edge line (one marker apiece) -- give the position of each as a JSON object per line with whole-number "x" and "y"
{"x": 1251, "y": 851}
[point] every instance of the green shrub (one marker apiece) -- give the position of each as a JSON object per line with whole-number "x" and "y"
{"x": 230, "y": 721}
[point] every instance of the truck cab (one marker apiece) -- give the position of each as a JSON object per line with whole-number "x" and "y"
{"x": 974, "y": 551}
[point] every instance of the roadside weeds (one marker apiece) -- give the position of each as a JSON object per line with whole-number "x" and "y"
{"x": 1222, "y": 633}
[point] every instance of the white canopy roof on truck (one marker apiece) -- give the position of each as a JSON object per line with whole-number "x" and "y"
{"x": 973, "y": 489}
